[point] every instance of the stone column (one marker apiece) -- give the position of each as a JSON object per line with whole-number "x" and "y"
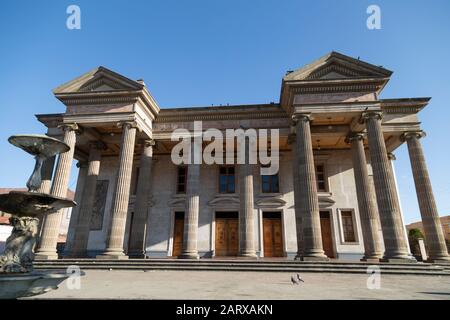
{"x": 392, "y": 158}
{"x": 139, "y": 223}
{"x": 306, "y": 198}
{"x": 298, "y": 215}
{"x": 434, "y": 236}
{"x": 366, "y": 202}
{"x": 190, "y": 236}
{"x": 82, "y": 173}
{"x": 46, "y": 174}
{"x": 50, "y": 230}
{"x": 82, "y": 228}
{"x": 396, "y": 248}
{"x": 119, "y": 209}
{"x": 246, "y": 207}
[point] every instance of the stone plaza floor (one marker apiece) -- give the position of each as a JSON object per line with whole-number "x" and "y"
{"x": 247, "y": 285}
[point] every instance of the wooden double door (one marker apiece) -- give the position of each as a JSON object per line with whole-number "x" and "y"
{"x": 227, "y": 234}
{"x": 327, "y": 238}
{"x": 272, "y": 234}
{"x": 178, "y": 234}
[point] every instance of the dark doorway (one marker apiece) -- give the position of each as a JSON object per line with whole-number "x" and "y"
{"x": 327, "y": 238}
{"x": 178, "y": 233}
{"x": 227, "y": 234}
{"x": 272, "y": 234}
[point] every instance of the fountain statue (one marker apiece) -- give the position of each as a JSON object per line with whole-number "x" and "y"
{"x": 17, "y": 278}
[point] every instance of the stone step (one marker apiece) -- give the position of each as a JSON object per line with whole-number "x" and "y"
{"x": 262, "y": 266}
{"x": 234, "y": 263}
{"x": 243, "y": 269}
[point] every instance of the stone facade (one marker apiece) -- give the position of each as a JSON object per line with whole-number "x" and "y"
{"x": 143, "y": 196}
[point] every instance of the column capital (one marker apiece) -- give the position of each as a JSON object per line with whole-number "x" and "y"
{"x": 129, "y": 124}
{"x": 412, "y": 134}
{"x": 296, "y": 117}
{"x": 70, "y": 127}
{"x": 149, "y": 142}
{"x": 355, "y": 136}
{"x": 371, "y": 114}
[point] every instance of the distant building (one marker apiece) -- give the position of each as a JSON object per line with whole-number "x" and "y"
{"x": 445, "y": 223}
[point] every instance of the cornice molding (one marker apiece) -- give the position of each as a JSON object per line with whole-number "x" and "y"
{"x": 98, "y": 98}
{"x": 278, "y": 114}
{"x": 321, "y": 88}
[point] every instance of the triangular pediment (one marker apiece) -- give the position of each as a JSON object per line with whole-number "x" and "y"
{"x": 335, "y": 66}
{"x": 99, "y": 79}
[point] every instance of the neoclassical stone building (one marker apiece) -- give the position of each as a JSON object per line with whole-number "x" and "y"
{"x": 334, "y": 196}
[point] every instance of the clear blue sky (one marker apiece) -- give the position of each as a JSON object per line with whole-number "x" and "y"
{"x": 203, "y": 52}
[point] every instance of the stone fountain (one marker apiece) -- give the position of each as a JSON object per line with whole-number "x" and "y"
{"x": 17, "y": 278}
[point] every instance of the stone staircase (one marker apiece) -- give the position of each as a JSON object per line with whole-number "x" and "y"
{"x": 261, "y": 265}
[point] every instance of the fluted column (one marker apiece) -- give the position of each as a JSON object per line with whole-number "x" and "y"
{"x": 139, "y": 223}
{"x": 366, "y": 202}
{"x": 434, "y": 236}
{"x": 298, "y": 215}
{"x": 306, "y": 197}
{"x": 119, "y": 209}
{"x": 392, "y": 158}
{"x": 396, "y": 249}
{"x": 46, "y": 174}
{"x": 82, "y": 173}
{"x": 82, "y": 228}
{"x": 246, "y": 207}
{"x": 50, "y": 230}
{"x": 190, "y": 236}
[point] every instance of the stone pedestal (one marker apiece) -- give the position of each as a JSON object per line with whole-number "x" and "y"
{"x": 139, "y": 223}
{"x": 434, "y": 236}
{"x": 114, "y": 247}
{"x": 50, "y": 229}
{"x": 396, "y": 249}
{"x": 306, "y": 198}
{"x": 367, "y": 207}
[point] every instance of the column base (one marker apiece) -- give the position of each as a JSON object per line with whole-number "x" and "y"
{"x": 399, "y": 260}
{"x": 46, "y": 256}
{"x": 111, "y": 257}
{"x": 191, "y": 256}
{"x": 249, "y": 256}
{"x": 445, "y": 261}
{"x": 372, "y": 258}
{"x": 312, "y": 258}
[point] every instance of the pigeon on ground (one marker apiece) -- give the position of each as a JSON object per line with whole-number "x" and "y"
{"x": 300, "y": 278}
{"x": 294, "y": 280}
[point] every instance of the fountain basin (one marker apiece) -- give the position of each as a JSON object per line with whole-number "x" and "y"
{"x": 32, "y": 204}
{"x": 13, "y": 286}
{"x": 39, "y": 145}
